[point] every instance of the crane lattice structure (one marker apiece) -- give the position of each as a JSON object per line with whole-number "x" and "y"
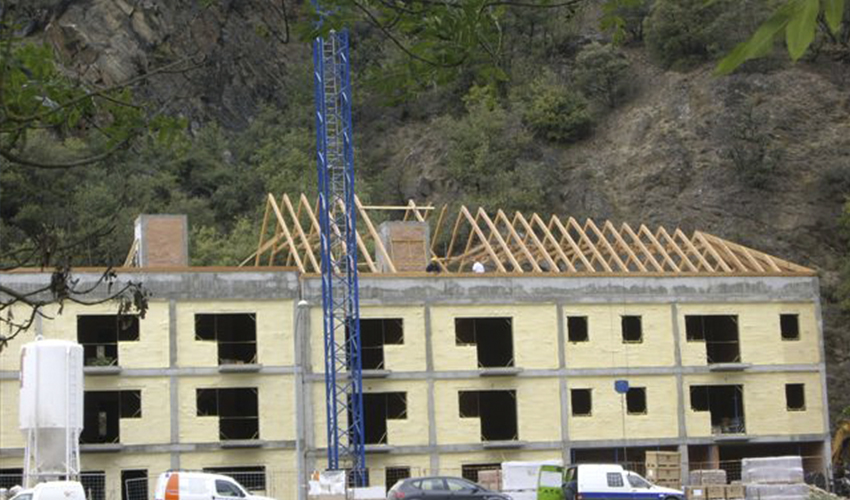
{"x": 340, "y": 303}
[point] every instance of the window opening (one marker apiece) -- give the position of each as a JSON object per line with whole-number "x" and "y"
{"x": 235, "y": 335}
{"x": 789, "y": 324}
{"x": 726, "y": 405}
{"x": 11, "y": 477}
{"x": 632, "y": 329}
{"x": 131, "y": 404}
{"x": 349, "y": 477}
{"x": 253, "y": 478}
{"x": 99, "y": 335}
{"x": 378, "y": 407}
{"x": 581, "y": 402}
{"x": 102, "y": 411}
{"x": 720, "y": 334}
{"x": 615, "y": 479}
{"x": 395, "y": 474}
{"x": 496, "y": 409}
{"x": 470, "y": 471}
{"x": 236, "y": 409}
{"x": 374, "y": 335}
{"x": 134, "y": 484}
{"x": 636, "y": 401}
{"x": 94, "y": 484}
{"x": 577, "y": 329}
{"x": 493, "y": 338}
{"x": 795, "y": 397}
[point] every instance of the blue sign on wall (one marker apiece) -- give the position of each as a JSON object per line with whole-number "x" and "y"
{"x": 621, "y": 386}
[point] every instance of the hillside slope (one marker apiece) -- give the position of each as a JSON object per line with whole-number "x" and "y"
{"x": 760, "y": 158}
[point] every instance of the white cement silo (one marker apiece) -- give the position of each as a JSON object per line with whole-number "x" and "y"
{"x": 51, "y": 409}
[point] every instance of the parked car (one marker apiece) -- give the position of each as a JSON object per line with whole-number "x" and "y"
{"x": 603, "y": 481}
{"x": 184, "y": 485}
{"x": 441, "y": 488}
{"x": 53, "y": 490}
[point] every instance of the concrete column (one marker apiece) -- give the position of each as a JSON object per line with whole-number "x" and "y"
{"x": 680, "y": 395}
{"x": 432, "y": 412}
{"x": 173, "y": 384}
{"x": 303, "y": 410}
{"x": 562, "y": 386}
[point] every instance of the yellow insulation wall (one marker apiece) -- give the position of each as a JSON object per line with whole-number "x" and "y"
{"x": 765, "y": 411}
{"x": 274, "y": 331}
{"x": 605, "y": 347}
{"x": 535, "y": 335}
{"x": 609, "y": 417}
{"x": 759, "y": 333}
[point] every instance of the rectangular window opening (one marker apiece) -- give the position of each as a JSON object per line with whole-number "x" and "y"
{"x": 94, "y": 484}
{"x": 11, "y": 477}
{"x": 795, "y": 397}
{"x": 131, "y": 404}
{"x": 632, "y": 329}
{"x": 378, "y": 407}
{"x": 581, "y": 402}
{"x": 102, "y": 411}
{"x": 237, "y": 410}
{"x": 493, "y": 338}
{"x": 720, "y": 334}
{"x": 253, "y": 478}
{"x": 725, "y": 403}
{"x": 134, "y": 484}
{"x": 235, "y": 335}
{"x": 636, "y": 401}
{"x": 375, "y": 333}
{"x": 790, "y": 326}
{"x": 395, "y": 474}
{"x": 577, "y": 329}
{"x": 497, "y": 411}
{"x": 99, "y": 335}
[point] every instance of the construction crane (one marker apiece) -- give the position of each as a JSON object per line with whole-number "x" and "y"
{"x": 340, "y": 303}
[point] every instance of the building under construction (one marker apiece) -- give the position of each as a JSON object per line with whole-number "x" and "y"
{"x": 720, "y": 347}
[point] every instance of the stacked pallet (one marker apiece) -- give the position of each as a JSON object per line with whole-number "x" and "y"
{"x": 710, "y": 484}
{"x": 664, "y": 468}
{"x": 774, "y": 478}
{"x": 490, "y": 479}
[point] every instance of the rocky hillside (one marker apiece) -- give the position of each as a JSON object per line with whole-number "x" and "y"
{"x": 761, "y": 157}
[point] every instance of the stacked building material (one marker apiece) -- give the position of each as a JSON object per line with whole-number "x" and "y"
{"x": 490, "y": 479}
{"x": 774, "y": 478}
{"x": 707, "y": 476}
{"x": 519, "y": 479}
{"x": 664, "y": 468}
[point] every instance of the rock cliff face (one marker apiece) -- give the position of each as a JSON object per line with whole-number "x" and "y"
{"x": 222, "y": 61}
{"x": 759, "y": 158}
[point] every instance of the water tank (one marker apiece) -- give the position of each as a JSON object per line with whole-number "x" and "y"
{"x": 51, "y": 406}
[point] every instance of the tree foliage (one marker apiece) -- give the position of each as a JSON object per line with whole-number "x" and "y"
{"x": 797, "y": 21}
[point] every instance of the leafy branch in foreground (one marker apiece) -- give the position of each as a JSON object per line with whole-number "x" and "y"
{"x": 799, "y": 21}
{"x": 130, "y": 296}
{"x": 89, "y": 122}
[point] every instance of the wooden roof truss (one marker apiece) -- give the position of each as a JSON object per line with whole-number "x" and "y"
{"x": 515, "y": 243}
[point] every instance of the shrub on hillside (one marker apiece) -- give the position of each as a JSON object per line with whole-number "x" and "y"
{"x": 681, "y": 33}
{"x": 602, "y": 74}
{"x": 558, "y": 114}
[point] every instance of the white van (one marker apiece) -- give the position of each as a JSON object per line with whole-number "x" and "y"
{"x": 181, "y": 485}
{"x": 612, "y": 482}
{"x": 53, "y": 490}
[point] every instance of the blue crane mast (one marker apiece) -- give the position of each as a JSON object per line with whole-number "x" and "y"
{"x": 337, "y": 215}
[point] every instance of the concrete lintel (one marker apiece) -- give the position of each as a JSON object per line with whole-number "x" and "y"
{"x": 576, "y": 289}
{"x": 180, "y": 284}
